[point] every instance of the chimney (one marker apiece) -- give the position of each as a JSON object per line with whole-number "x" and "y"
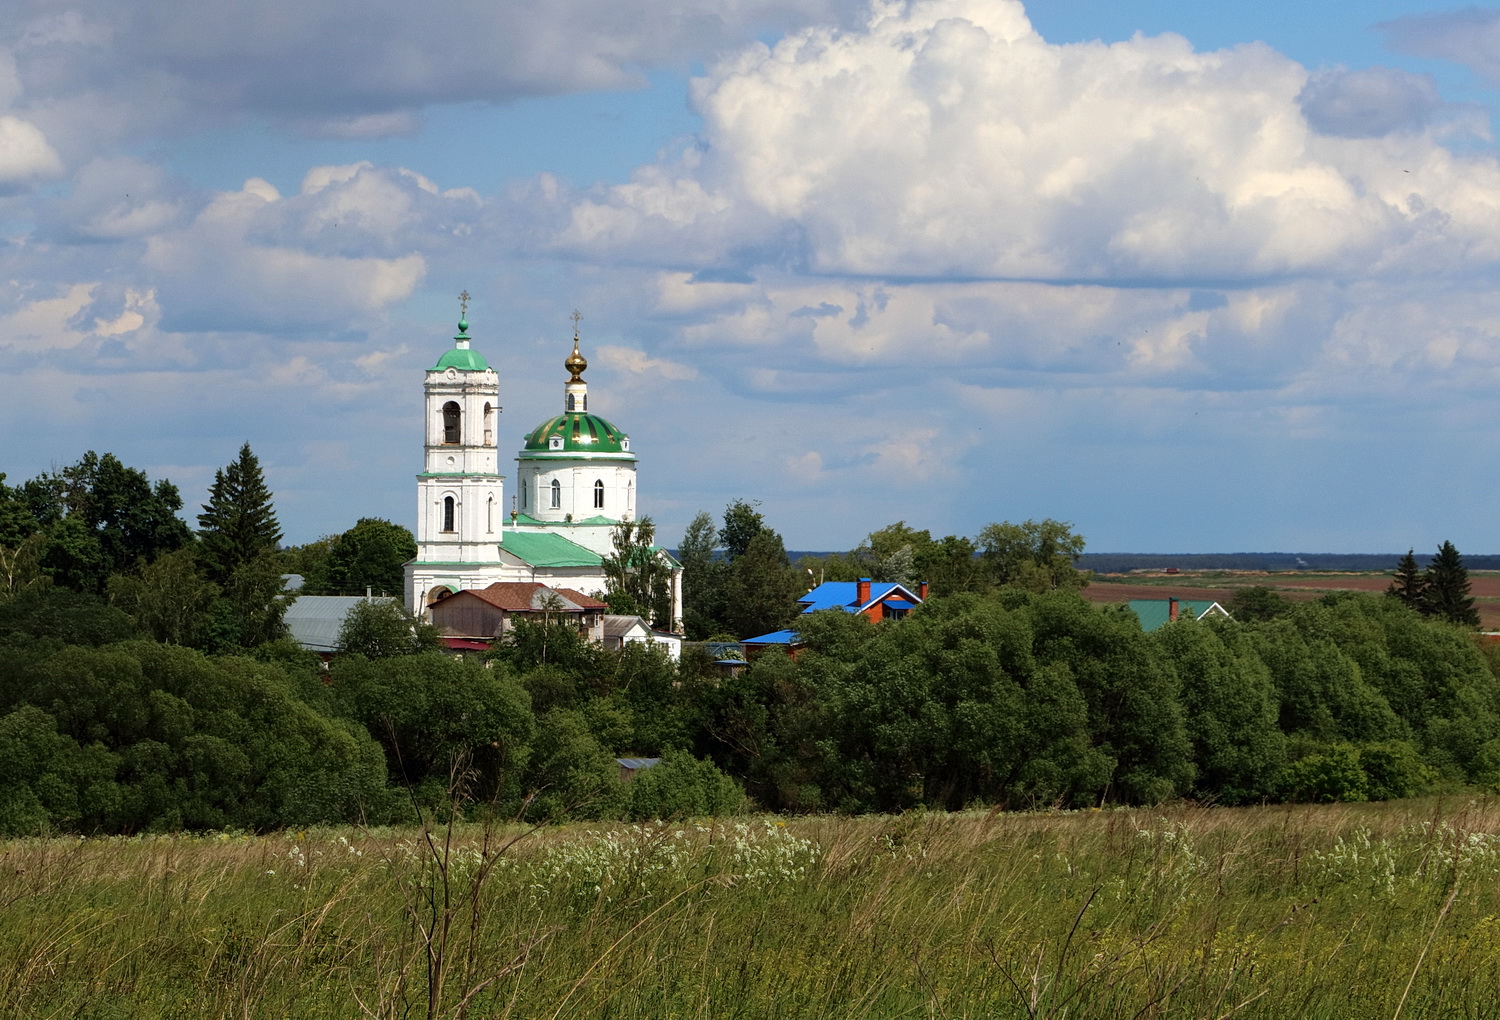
{"x": 1172, "y": 610}
{"x": 862, "y": 591}
{"x": 922, "y": 591}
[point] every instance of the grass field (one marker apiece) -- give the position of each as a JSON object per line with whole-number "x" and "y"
{"x": 1341, "y": 911}
{"x": 1221, "y": 585}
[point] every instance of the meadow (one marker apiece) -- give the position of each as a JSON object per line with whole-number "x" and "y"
{"x": 1349, "y": 911}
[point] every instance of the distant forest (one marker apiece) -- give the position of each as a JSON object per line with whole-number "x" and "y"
{"x": 1120, "y": 563}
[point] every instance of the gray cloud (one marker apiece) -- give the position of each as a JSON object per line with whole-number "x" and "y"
{"x": 1470, "y": 37}
{"x": 325, "y": 69}
{"x": 1369, "y": 102}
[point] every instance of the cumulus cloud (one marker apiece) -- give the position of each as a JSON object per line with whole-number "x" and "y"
{"x": 946, "y": 138}
{"x": 25, "y": 155}
{"x": 234, "y": 267}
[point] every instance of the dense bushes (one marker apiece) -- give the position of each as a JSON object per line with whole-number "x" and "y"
{"x": 1012, "y": 700}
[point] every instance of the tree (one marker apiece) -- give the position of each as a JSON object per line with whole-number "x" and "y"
{"x": 238, "y": 522}
{"x": 1447, "y": 588}
{"x": 1037, "y": 555}
{"x": 637, "y": 575}
{"x": 704, "y": 577}
{"x": 762, "y": 592}
{"x": 742, "y": 522}
{"x": 369, "y": 555}
{"x": 17, "y": 523}
{"x": 382, "y": 629}
{"x": 132, "y": 518}
{"x": 168, "y": 599}
{"x": 1257, "y": 603}
{"x": 1408, "y": 585}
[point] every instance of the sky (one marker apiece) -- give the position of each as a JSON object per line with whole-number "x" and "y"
{"x": 1191, "y": 277}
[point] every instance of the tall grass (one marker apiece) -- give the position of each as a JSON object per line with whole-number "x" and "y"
{"x": 1346, "y": 911}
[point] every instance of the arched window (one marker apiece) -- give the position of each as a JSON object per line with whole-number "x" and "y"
{"x": 451, "y": 416}
{"x": 556, "y": 494}
{"x": 572, "y": 402}
{"x": 489, "y": 424}
{"x": 447, "y": 513}
{"x": 599, "y": 494}
{"x": 630, "y": 496}
{"x": 525, "y": 491}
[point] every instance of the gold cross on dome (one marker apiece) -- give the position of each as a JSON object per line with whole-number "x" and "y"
{"x": 575, "y": 317}
{"x": 463, "y": 304}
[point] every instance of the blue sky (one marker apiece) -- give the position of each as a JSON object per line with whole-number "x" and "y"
{"x": 1193, "y": 278}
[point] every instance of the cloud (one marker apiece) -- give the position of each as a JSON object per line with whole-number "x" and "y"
{"x": 25, "y": 155}
{"x": 1368, "y": 103}
{"x": 946, "y": 139}
{"x": 244, "y": 263}
{"x": 1470, "y": 37}
{"x": 107, "y": 69}
{"x": 635, "y": 362}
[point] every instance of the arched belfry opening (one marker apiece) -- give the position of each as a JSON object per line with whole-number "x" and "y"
{"x": 452, "y": 424}
{"x": 448, "y": 513}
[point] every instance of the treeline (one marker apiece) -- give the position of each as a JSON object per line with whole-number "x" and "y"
{"x": 1012, "y": 699}
{"x": 103, "y": 731}
{"x": 739, "y": 581}
{"x": 101, "y": 528}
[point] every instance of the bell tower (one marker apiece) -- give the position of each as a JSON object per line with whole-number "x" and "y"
{"x": 460, "y": 492}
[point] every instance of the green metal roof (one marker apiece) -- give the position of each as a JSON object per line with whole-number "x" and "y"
{"x": 468, "y": 360}
{"x": 581, "y": 432}
{"x": 542, "y": 549}
{"x": 1154, "y": 613}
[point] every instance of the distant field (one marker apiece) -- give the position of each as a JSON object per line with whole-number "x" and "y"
{"x": 1220, "y": 585}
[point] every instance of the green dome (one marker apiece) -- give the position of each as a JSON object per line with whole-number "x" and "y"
{"x": 463, "y": 359}
{"x": 581, "y": 433}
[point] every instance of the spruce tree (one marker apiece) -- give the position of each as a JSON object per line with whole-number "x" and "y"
{"x": 238, "y": 523}
{"x": 1408, "y": 585}
{"x": 1447, "y": 591}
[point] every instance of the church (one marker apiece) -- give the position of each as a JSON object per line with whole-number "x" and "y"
{"x": 575, "y": 482}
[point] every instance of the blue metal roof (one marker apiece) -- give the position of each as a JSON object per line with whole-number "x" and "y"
{"x": 637, "y": 763}
{"x": 777, "y": 637}
{"x": 845, "y": 595}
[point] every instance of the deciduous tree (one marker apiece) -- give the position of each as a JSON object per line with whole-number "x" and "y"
{"x": 638, "y": 575}
{"x": 369, "y": 556}
{"x": 1037, "y": 555}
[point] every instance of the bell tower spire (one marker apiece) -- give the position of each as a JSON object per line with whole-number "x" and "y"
{"x": 576, "y": 392}
{"x": 460, "y": 492}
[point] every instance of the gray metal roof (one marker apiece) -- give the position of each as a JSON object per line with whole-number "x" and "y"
{"x": 314, "y": 621}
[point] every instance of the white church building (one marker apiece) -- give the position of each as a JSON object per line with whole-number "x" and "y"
{"x": 576, "y": 480}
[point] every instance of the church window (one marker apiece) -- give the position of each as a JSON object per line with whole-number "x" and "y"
{"x": 630, "y": 496}
{"x": 556, "y": 494}
{"x": 599, "y": 494}
{"x": 451, "y": 416}
{"x": 489, "y": 515}
{"x": 625, "y": 443}
{"x": 572, "y": 402}
{"x": 447, "y": 513}
{"x": 525, "y": 492}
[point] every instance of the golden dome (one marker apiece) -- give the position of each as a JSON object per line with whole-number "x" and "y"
{"x": 576, "y": 363}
